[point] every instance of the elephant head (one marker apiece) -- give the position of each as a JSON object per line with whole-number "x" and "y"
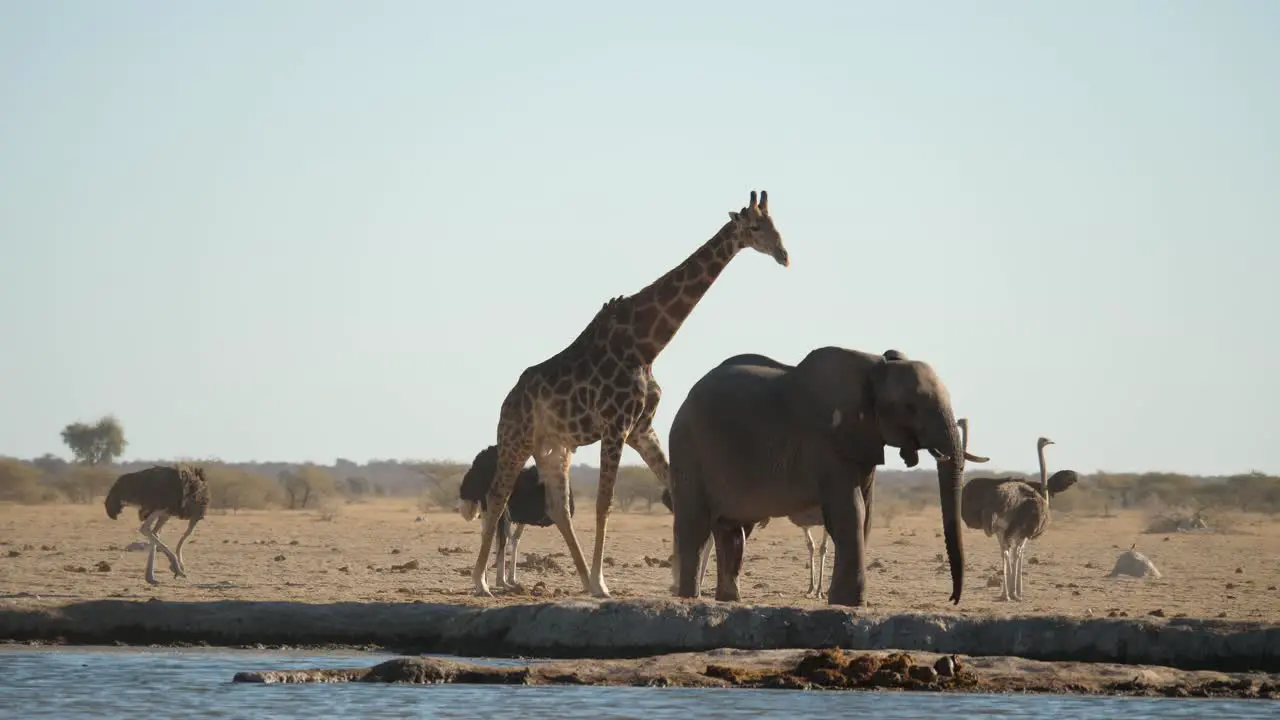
{"x": 863, "y": 402}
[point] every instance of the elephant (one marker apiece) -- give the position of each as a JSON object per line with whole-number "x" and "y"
{"x": 756, "y": 439}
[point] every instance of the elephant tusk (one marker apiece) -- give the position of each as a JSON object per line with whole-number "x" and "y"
{"x": 940, "y": 457}
{"x": 975, "y": 458}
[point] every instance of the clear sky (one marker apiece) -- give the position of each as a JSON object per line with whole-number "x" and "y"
{"x": 308, "y": 229}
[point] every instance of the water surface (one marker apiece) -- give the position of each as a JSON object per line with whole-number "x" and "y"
{"x": 108, "y": 683}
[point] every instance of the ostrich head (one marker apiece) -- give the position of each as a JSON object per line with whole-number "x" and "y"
{"x": 1042, "y": 442}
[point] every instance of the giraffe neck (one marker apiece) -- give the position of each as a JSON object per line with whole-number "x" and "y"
{"x": 662, "y": 306}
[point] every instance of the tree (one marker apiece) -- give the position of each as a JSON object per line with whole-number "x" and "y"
{"x": 636, "y": 483}
{"x": 97, "y": 444}
{"x": 305, "y": 484}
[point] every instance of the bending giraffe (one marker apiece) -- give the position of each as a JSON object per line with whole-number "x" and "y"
{"x": 601, "y": 388}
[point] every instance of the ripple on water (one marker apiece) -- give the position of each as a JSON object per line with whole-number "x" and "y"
{"x": 110, "y": 683}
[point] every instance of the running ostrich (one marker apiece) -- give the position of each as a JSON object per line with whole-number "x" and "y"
{"x": 1015, "y": 510}
{"x": 527, "y": 506}
{"x": 162, "y": 492}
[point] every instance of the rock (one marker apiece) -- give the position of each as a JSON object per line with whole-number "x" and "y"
{"x": 102, "y": 566}
{"x": 278, "y": 558}
{"x": 579, "y": 626}
{"x": 14, "y": 553}
{"x": 922, "y": 673}
{"x": 1134, "y": 564}
{"x": 947, "y": 666}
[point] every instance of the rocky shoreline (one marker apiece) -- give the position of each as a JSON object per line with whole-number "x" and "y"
{"x": 810, "y": 670}
{"x": 587, "y": 628}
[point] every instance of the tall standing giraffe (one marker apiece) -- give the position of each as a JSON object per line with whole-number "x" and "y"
{"x": 601, "y": 388}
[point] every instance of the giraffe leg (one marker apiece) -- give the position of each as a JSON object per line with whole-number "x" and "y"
{"x": 513, "y": 451}
{"x": 647, "y": 445}
{"x": 182, "y": 566}
{"x": 500, "y": 562}
{"x": 813, "y": 563}
{"x": 610, "y": 458}
{"x": 553, "y": 468}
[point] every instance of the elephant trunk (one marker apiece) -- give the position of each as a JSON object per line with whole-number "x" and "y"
{"x": 950, "y": 484}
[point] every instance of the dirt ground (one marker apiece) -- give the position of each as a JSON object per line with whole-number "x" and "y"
{"x": 55, "y": 552}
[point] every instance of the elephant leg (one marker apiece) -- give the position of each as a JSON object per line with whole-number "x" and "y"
{"x": 813, "y": 561}
{"x": 691, "y": 533}
{"x": 730, "y": 544}
{"x": 866, "y": 503}
{"x": 844, "y": 521}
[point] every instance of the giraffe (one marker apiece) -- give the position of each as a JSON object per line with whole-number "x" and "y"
{"x": 601, "y": 388}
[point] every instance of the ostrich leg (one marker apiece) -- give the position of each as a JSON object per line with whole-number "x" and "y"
{"x": 814, "y": 578}
{"x": 149, "y": 529}
{"x": 182, "y": 566}
{"x": 515, "y": 546}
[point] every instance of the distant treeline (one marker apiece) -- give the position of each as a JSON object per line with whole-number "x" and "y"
{"x": 260, "y": 485}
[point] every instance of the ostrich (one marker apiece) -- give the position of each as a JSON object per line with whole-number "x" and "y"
{"x": 162, "y": 492}
{"x": 1015, "y": 510}
{"x": 806, "y": 520}
{"x": 526, "y": 506}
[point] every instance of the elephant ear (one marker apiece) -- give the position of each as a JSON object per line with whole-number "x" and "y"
{"x": 830, "y": 395}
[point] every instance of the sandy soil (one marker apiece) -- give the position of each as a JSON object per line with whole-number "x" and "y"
{"x": 54, "y": 552}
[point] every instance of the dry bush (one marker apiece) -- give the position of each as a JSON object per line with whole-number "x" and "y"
{"x": 234, "y": 489}
{"x": 85, "y": 483}
{"x": 21, "y": 483}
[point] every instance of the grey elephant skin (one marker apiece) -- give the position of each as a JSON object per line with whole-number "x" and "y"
{"x": 756, "y": 438}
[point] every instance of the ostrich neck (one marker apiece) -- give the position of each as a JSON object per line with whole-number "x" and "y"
{"x": 1044, "y": 475}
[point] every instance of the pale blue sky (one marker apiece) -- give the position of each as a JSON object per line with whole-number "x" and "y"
{"x": 305, "y": 229}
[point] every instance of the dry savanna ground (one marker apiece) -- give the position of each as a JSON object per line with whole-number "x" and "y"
{"x": 55, "y": 554}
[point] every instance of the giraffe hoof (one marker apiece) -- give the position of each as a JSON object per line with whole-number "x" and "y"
{"x": 152, "y": 581}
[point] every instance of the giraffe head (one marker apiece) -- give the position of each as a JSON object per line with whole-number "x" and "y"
{"x": 752, "y": 228}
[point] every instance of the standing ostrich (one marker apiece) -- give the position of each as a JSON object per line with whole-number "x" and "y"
{"x": 1015, "y": 510}
{"x": 806, "y": 520}
{"x": 527, "y": 506}
{"x": 162, "y": 492}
